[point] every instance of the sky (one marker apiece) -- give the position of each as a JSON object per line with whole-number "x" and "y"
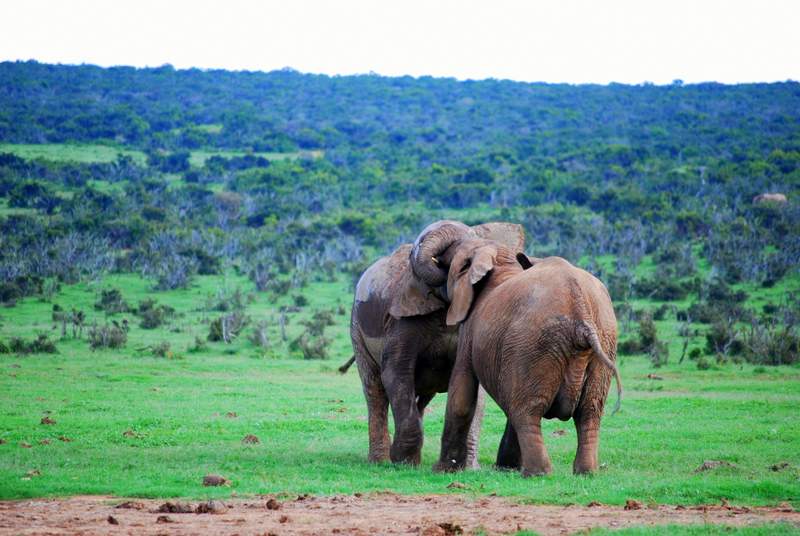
{"x": 625, "y": 41}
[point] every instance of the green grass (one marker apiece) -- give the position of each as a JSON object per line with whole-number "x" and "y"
{"x": 198, "y": 158}
{"x": 67, "y": 152}
{"x": 64, "y": 152}
{"x": 312, "y": 421}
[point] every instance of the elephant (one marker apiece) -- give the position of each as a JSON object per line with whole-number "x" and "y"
{"x": 540, "y": 336}
{"x": 401, "y": 345}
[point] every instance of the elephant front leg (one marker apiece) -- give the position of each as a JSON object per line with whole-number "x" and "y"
{"x": 461, "y": 400}
{"x": 377, "y": 410}
{"x": 508, "y": 455}
{"x": 398, "y": 380}
{"x": 474, "y": 435}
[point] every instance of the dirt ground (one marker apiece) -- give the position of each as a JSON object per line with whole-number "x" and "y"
{"x": 381, "y": 513}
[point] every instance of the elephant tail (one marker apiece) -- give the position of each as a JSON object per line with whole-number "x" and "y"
{"x": 591, "y": 338}
{"x": 344, "y": 368}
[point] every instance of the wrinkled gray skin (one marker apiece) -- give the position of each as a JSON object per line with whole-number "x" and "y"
{"x": 402, "y": 346}
{"x": 540, "y": 336}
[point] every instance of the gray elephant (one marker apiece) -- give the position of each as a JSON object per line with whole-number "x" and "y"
{"x": 540, "y": 336}
{"x": 402, "y": 346}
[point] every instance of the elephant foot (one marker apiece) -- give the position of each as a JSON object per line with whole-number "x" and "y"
{"x": 544, "y": 470}
{"x": 378, "y": 458}
{"x": 473, "y": 465}
{"x": 583, "y": 469}
{"x": 413, "y": 458}
{"x": 447, "y": 466}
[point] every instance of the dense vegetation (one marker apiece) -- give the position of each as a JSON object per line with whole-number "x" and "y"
{"x": 286, "y": 178}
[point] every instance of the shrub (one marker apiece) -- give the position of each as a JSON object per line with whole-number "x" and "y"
{"x": 659, "y": 354}
{"x": 225, "y": 300}
{"x": 647, "y": 332}
{"x": 259, "y": 336}
{"x": 720, "y": 337}
{"x": 300, "y": 300}
{"x": 318, "y": 322}
{"x": 630, "y": 347}
{"x": 4, "y": 349}
{"x": 152, "y": 314}
{"x": 198, "y": 345}
{"x": 695, "y": 354}
{"x": 703, "y": 363}
{"x": 161, "y": 349}
{"x": 311, "y": 347}
{"x": 111, "y": 302}
{"x": 228, "y": 327}
{"x": 40, "y": 345}
{"x": 107, "y": 336}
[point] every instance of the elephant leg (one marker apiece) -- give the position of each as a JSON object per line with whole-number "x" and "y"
{"x": 377, "y": 410}
{"x": 588, "y": 415}
{"x": 474, "y": 435}
{"x": 462, "y": 394}
{"x": 423, "y": 401}
{"x": 533, "y": 454}
{"x": 508, "y": 455}
{"x": 398, "y": 380}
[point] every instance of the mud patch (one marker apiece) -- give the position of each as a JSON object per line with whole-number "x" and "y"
{"x": 379, "y": 513}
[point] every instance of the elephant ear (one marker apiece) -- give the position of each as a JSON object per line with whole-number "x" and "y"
{"x": 508, "y": 234}
{"x": 462, "y": 281}
{"x": 412, "y": 297}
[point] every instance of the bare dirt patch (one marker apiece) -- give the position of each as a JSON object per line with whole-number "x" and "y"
{"x": 380, "y": 513}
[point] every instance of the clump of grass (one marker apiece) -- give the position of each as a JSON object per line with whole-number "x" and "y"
{"x": 107, "y": 336}
{"x": 228, "y": 327}
{"x": 39, "y": 345}
{"x": 111, "y": 302}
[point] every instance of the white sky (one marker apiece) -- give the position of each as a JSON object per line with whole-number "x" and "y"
{"x": 628, "y": 41}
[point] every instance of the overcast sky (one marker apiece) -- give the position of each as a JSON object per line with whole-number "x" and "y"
{"x": 628, "y": 41}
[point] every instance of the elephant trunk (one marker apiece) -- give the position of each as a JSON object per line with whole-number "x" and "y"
{"x": 432, "y": 242}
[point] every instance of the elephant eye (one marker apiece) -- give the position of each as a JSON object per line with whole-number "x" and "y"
{"x": 466, "y": 266}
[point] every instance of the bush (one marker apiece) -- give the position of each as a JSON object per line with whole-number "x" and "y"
{"x": 228, "y": 327}
{"x": 198, "y": 345}
{"x": 225, "y": 300}
{"x": 152, "y": 314}
{"x": 720, "y": 337}
{"x": 659, "y": 354}
{"x": 108, "y": 336}
{"x": 318, "y": 322}
{"x": 259, "y": 336}
{"x": 40, "y": 345}
{"x": 4, "y": 349}
{"x": 161, "y": 349}
{"x": 648, "y": 336}
{"x": 111, "y": 302}
{"x": 695, "y": 354}
{"x": 703, "y": 363}
{"x": 311, "y": 347}
{"x": 300, "y": 300}
{"x": 630, "y": 347}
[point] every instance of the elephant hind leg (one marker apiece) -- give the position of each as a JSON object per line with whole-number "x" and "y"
{"x": 474, "y": 434}
{"x": 534, "y": 460}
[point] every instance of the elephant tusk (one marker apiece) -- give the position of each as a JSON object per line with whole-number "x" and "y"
{"x": 435, "y": 260}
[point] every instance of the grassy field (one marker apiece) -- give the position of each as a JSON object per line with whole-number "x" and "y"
{"x": 311, "y": 421}
{"x": 64, "y": 152}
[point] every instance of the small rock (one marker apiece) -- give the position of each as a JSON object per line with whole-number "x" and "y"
{"x": 211, "y": 507}
{"x": 131, "y": 505}
{"x": 250, "y": 439}
{"x": 47, "y": 420}
{"x": 44, "y": 442}
{"x": 231, "y": 415}
{"x": 654, "y": 377}
{"x": 25, "y": 445}
{"x": 175, "y": 508}
{"x": 779, "y": 466}
{"x": 557, "y": 433}
{"x": 112, "y": 520}
{"x": 785, "y": 507}
{"x": 302, "y": 497}
{"x": 456, "y": 485}
{"x": 272, "y": 504}
{"x": 283, "y": 519}
{"x": 631, "y": 504}
{"x": 164, "y": 519}
{"x": 129, "y": 433}
{"x": 2, "y": 441}
{"x": 33, "y": 472}
{"x": 215, "y": 480}
{"x": 594, "y": 504}
{"x": 713, "y": 464}
{"x": 65, "y": 439}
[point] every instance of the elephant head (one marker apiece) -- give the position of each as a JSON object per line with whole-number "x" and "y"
{"x": 429, "y": 265}
{"x": 471, "y": 263}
